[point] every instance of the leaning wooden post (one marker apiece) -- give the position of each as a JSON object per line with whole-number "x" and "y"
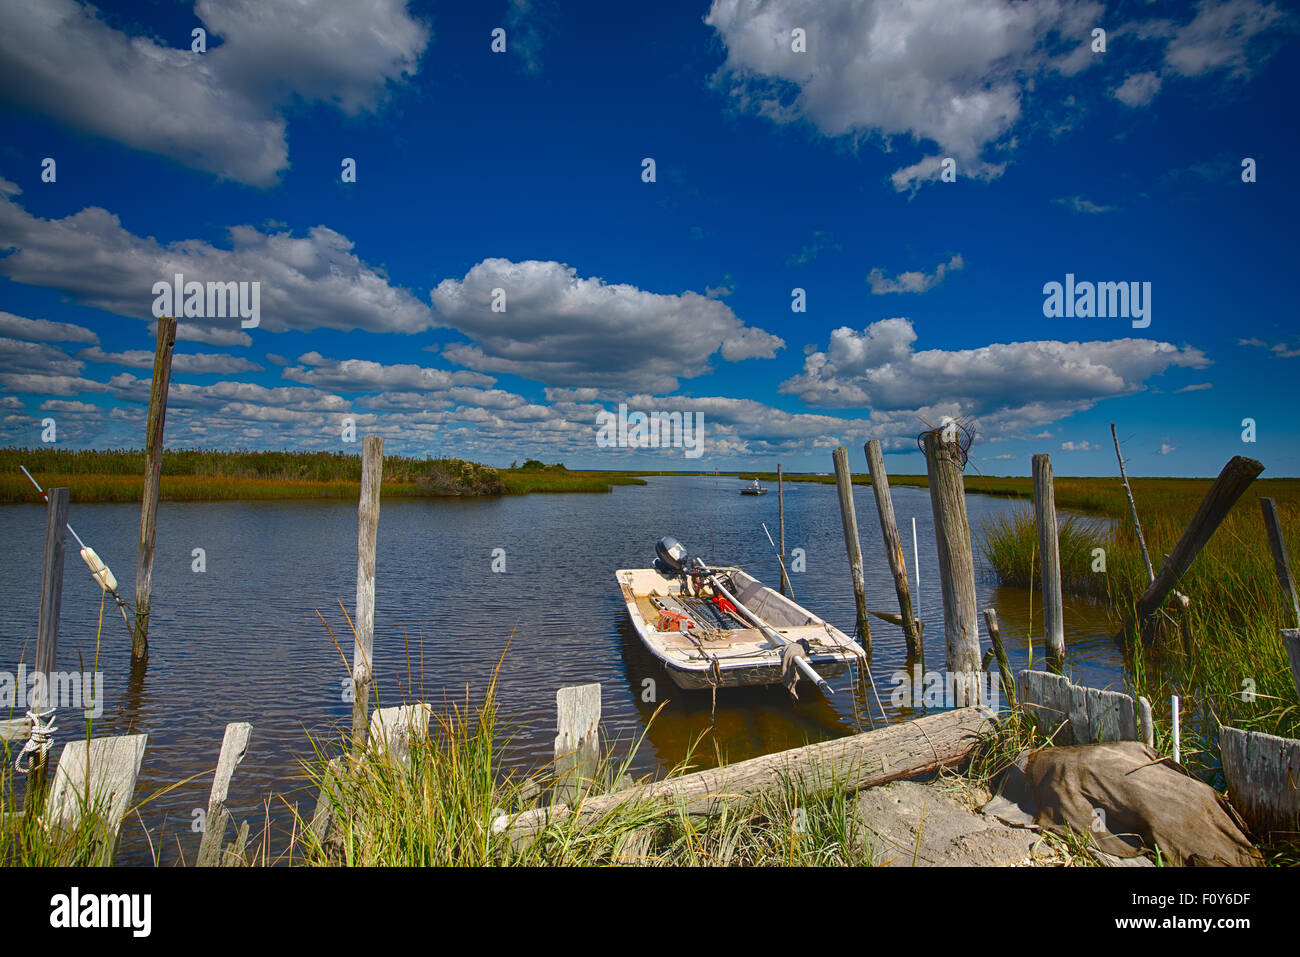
{"x": 1291, "y": 639}
{"x": 1004, "y": 667}
{"x": 234, "y": 745}
{"x": 780, "y": 508}
{"x": 956, "y": 565}
{"x": 844, "y": 485}
{"x": 1049, "y": 551}
{"x": 41, "y": 705}
{"x": 1281, "y": 561}
{"x": 1223, "y": 494}
{"x": 893, "y": 547}
{"x": 577, "y": 744}
{"x": 153, "y": 451}
{"x": 363, "y": 676}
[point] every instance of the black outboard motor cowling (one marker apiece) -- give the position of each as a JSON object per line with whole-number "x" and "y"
{"x": 671, "y": 556}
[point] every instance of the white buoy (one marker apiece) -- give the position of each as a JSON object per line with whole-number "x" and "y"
{"x": 101, "y": 572}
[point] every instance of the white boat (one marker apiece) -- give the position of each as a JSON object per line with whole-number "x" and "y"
{"x": 741, "y": 640}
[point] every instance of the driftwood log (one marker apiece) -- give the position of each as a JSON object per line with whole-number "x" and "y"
{"x": 858, "y": 761}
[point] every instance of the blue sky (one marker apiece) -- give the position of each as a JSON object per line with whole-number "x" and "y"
{"x": 775, "y": 170}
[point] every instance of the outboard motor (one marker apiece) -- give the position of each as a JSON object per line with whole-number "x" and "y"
{"x": 671, "y": 556}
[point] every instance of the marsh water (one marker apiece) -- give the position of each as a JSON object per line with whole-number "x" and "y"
{"x": 241, "y": 639}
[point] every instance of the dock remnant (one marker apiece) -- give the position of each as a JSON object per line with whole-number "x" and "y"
{"x": 1263, "y": 775}
{"x": 1232, "y": 482}
{"x": 844, "y": 487}
{"x": 96, "y": 778}
{"x": 363, "y": 676}
{"x": 1079, "y": 714}
{"x": 944, "y": 458}
{"x": 577, "y": 745}
{"x": 894, "y": 548}
{"x": 1049, "y": 552}
{"x": 393, "y": 730}
{"x": 153, "y": 453}
{"x": 234, "y": 745}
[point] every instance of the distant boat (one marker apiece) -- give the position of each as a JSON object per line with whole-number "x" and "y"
{"x": 754, "y": 489}
{"x": 719, "y": 627}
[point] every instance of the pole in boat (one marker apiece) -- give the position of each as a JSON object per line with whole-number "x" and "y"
{"x": 800, "y": 663}
{"x": 916, "y": 563}
{"x": 102, "y": 574}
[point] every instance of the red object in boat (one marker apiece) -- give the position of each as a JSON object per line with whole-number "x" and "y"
{"x": 673, "y": 621}
{"x": 724, "y": 606}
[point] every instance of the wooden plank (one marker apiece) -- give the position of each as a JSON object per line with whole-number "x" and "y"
{"x": 363, "y": 676}
{"x": 849, "y": 517}
{"x": 234, "y": 745}
{"x": 1232, "y": 482}
{"x": 855, "y": 762}
{"x": 153, "y": 452}
{"x": 577, "y": 745}
{"x": 1049, "y": 556}
{"x": 894, "y": 548}
{"x": 1281, "y": 561}
{"x": 956, "y": 564}
{"x": 15, "y": 729}
{"x": 392, "y": 730}
{"x": 1046, "y": 697}
{"x": 99, "y": 780}
{"x": 1263, "y": 775}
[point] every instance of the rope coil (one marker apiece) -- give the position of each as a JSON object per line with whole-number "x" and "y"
{"x": 38, "y": 741}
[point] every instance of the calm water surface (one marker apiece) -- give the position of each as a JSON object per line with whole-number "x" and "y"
{"x": 242, "y": 641}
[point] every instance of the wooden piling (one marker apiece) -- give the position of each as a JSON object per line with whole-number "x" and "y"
{"x": 780, "y": 508}
{"x": 96, "y": 778}
{"x": 893, "y": 547}
{"x": 1291, "y": 640}
{"x": 234, "y": 745}
{"x": 956, "y": 565}
{"x": 844, "y": 486}
{"x": 1049, "y": 551}
{"x": 47, "y": 633}
{"x": 363, "y": 677}
{"x": 153, "y": 452}
{"x": 1281, "y": 561}
{"x": 1223, "y": 494}
{"x": 577, "y": 743}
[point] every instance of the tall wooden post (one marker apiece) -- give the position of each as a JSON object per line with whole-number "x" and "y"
{"x": 153, "y": 451}
{"x": 1223, "y": 494}
{"x": 844, "y": 485}
{"x": 577, "y": 745}
{"x": 956, "y": 565}
{"x": 1281, "y": 561}
{"x": 893, "y": 546}
{"x": 363, "y": 676}
{"x": 1049, "y": 550}
{"x": 780, "y": 507}
{"x": 47, "y": 639}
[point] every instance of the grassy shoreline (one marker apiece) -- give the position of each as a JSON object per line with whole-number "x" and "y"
{"x": 204, "y": 476}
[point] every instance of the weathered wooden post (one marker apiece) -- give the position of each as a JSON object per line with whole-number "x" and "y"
{"x": 1281, "y": 561}
{"x": 844, "y": 485}
{"x": 41, "y": 706}
{"x": 153, "y": 452}
{"x": 1223, "y": 494}
{"x": 1291, "y": 639}
{"x": 577, "y": 745}
{"x": 780, "y": 507}
{"x": 234, "y": 745}
{"x": 956, "y": 565}
{"x": 363, "y": 675}
{"x": 893, "y": 547}
{"x": 1049, "y": 551}
{"x": 1008, "y": 680}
